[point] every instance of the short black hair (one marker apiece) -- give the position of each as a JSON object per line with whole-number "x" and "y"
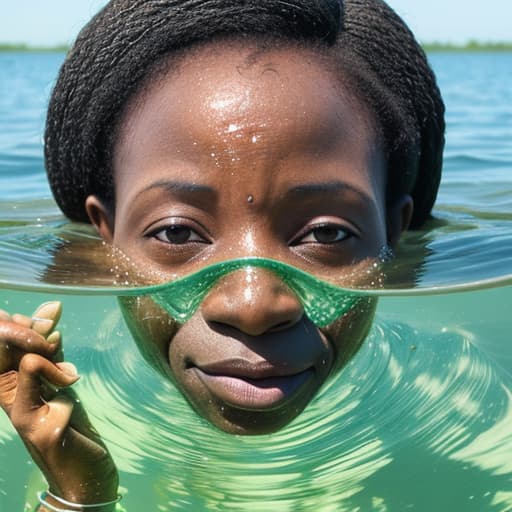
{"x": 116, "y": 51}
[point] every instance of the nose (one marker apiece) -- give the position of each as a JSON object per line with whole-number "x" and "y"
{"x": 254, "y": 301}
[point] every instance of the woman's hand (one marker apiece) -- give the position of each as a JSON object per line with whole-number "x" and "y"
{"x": 35, "y": 394}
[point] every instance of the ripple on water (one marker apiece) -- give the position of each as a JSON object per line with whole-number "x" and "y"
{"x": 431, "y": 393}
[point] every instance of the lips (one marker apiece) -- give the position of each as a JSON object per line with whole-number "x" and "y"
{"x": 252, "y": 387}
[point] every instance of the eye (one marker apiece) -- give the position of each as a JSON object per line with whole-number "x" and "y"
{"x": 324, "y": 234}
{"x": 177, "y": 235}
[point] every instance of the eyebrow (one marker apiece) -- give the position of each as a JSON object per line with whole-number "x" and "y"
{"x": 181, "y": 187}
{"x": 325, "y": 188}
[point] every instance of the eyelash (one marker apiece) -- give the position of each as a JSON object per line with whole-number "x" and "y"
{"x": 185, "y": 233}
{"x": 163, "y": 235}
{"x": 313, "y": 232}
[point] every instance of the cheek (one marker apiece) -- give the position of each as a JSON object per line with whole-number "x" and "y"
{"x": 151, "y": 328}
{"x": 194, "y": 341}
{"x": 348, "y": 333}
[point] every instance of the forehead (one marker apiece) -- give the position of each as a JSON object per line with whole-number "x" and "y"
{"x": 225, "y": 100}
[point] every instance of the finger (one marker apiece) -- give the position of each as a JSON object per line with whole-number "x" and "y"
{"x": 55, "y": 338}
{"x": 46, "y": 317}
{"x": 15, "y": 336}
{"x": 51, "y": 310}
{"x": 4, "y": 316}
{"x": 33, "y": 369}
{"x": 50, "y": 390}
{"x": 68, "y": 368}
{"x": 8, "y": 385}
{"x": 23, "y": 320}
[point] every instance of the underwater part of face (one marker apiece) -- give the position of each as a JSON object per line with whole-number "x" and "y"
{"x": 242, "y": 383}
{"x": 232, "y": 157}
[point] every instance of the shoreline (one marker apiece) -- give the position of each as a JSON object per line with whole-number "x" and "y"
{"x": 26, "y": 48}
{"x": 469, "y": 47}
{"x": 432, "y": 47}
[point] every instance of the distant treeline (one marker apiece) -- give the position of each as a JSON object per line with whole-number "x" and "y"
{"x": 8, "y": 47}
{"x": 470, "y": 46}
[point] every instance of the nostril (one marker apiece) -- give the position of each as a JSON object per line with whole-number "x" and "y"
{"x": 224, "y": 327}
{"x": 282, "y": 326}
{"x": 253, "y": 323}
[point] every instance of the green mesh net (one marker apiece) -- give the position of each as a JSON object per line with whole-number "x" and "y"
{"x": 323, "y": 302}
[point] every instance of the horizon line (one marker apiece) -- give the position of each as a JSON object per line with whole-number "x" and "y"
{"x": 428, "y": 45}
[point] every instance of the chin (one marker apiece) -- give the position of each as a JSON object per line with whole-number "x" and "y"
{"x": 248, "y": 423}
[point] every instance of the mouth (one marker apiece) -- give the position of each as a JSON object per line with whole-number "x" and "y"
{"x": 252, "y": 388}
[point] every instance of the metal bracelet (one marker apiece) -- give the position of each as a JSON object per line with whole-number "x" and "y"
{"x": 41, "y": 496}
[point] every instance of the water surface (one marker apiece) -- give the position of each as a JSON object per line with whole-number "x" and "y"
{"x": 419, "y": 420}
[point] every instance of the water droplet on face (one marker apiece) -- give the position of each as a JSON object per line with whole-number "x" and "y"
{"x": 232, "y": 128}
{"x": 250, "y": 199}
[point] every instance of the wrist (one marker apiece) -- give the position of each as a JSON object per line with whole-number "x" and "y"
{"x": 50, "y": 502}
{"x": 87, "y": 490}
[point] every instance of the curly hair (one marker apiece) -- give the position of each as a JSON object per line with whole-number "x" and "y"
{"x": 115, "y": 53}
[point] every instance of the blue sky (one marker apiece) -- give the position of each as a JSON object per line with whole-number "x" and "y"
{"x": 49, "y": 22}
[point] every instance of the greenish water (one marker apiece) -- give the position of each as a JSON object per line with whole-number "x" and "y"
{"x": 419, "y": 420}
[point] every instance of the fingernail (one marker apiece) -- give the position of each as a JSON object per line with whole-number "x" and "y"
{"x": 42, "y": 326}
{"x": 49, "y": 310}
{"x": 69, "y": 369}
{"x": 54, "y": 338}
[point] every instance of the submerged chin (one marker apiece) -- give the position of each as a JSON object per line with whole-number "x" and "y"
{"x": 249, "y": 406}
{"x": 251, "y": 423}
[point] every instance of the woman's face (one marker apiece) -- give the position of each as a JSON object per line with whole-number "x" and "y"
{"x": 247, "y": 154}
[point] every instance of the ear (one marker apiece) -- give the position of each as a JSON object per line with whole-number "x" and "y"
{"x": 398, "y": 219}
{"x": 101, "y": 217}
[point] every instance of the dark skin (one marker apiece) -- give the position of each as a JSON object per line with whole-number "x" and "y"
{"x": 225, "y": 159}
{"x": 51, "y": 421}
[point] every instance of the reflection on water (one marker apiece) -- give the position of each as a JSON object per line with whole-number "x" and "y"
{"x": 453, "y": 249}
{"x": 419, "y": 420}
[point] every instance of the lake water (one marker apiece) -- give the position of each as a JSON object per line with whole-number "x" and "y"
{"x": 420, "y": 420}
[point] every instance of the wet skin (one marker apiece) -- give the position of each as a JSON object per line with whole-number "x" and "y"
{"x": 232, "y": 157}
